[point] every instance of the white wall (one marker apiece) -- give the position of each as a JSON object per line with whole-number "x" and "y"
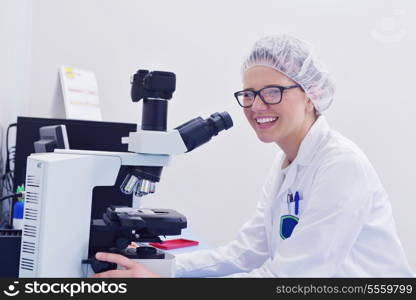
{"x": 15, "y": 18}
{"x": 368, "y": 45}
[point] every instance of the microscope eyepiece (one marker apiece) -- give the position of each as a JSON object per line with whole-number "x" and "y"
{"x": 221, "y": 121}
{"x": 198, "y": 131}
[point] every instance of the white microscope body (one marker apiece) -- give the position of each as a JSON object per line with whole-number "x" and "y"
{"x": 57, "y": 218}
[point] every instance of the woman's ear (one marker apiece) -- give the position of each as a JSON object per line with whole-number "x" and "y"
{"x": 309, "y": 104}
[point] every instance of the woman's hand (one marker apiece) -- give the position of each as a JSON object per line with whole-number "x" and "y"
{"x": 131, "y": 268}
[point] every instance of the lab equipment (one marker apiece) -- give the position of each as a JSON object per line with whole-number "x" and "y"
{"x": 57, "y": 222}
{"x": 122, "y": 225}
{"x": 156, "y": 88}
{"x": 19, "y": 208}
{"x": 9, "y": 252}
{"x": 51, "y": 138}
{"x": 295, "y": 59}
{"x": 85, "y": 135}
{"x": 174, "y": 244}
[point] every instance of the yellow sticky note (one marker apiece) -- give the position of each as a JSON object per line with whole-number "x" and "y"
{"x": 69, "y": 72}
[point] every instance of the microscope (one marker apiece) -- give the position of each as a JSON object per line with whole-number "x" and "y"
{"x": 59, "y": 239}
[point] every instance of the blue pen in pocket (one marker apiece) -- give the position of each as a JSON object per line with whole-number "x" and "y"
{"x": 296, "y": 203}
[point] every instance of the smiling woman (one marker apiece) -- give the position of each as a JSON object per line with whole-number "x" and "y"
{"x": 324, "y": 212}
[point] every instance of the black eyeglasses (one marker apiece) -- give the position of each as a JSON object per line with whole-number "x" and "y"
{"x": 271, "y": 94}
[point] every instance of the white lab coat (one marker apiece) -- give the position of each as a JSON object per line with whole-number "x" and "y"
{"x": 345, "y": 228}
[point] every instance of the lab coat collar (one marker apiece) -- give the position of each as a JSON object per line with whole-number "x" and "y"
{"x": 311, "y": 141}
{"x": 307, "y": 151}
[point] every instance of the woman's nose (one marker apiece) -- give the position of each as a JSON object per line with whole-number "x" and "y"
{"x": 258, "y": 104}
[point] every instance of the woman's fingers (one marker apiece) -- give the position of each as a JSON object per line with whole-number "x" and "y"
{"x": 132, "y": 268}
{"x": 116, "y": 258}
{"x": 132, "y": 245}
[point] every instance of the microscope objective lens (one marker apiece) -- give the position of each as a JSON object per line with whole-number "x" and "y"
{"x": 129, "y": 183}
{"x": 144, "y": 187}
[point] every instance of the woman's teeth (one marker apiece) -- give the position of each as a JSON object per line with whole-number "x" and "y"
{"x": 265, "y": 120}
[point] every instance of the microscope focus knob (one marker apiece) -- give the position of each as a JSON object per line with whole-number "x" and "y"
{"x": 145, "y": 250}
{"x": 99, "y": 266}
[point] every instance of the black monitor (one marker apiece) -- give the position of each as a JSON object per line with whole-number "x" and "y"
{"x": 82, "y": 135}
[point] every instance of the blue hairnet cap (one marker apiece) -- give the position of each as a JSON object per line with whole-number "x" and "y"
{"x": 294, "y": 58}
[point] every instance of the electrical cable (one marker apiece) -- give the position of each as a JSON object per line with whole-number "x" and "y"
{"x": 8, "y": 177}
{"x": 11, "y": 196}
